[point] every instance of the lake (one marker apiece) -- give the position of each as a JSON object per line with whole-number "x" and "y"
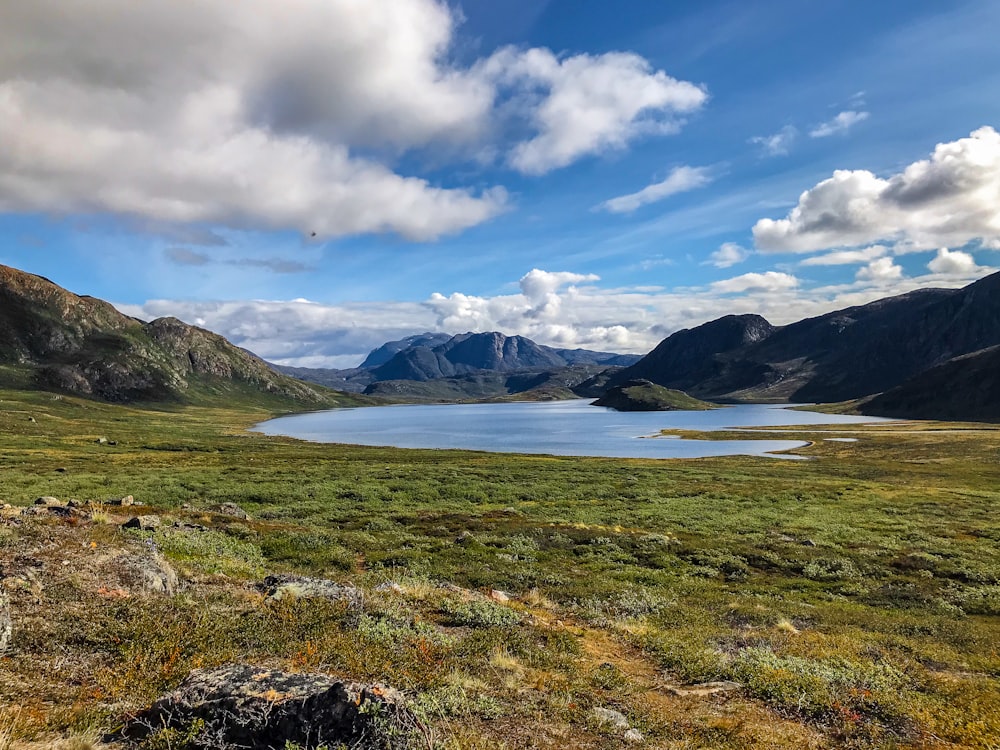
{"x": 561, "y": 428}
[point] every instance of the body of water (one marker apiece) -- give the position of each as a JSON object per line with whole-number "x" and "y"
{"x": 561, "y": 428}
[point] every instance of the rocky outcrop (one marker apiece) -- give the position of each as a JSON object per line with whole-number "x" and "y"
{"x": 241, "y": 706}
{"x": 302, "y": 587}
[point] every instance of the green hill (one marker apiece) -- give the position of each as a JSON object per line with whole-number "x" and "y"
{"x": 642, "y": 395}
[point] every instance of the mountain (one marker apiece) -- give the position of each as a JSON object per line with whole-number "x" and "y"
{"x": 61, "y": 341}
{"x": 842, "y": 355}
{"x": 641, "y": 395}
{"x": 431, "y": 356}
{"x": 469, "y": 352}
{"x": 388, "y": 350}
{"x": 963, "y": 389}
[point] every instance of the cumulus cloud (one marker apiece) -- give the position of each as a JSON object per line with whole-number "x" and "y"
{"x": 587, "y": 104}
{"x": 680, "y": 179}
{"x": 255, "y": 115}
{"x": 767, "y": 281}
{"x": 880, "y": 270}
{"x": 308, "y": 334}
{"x": 948, "y": 200}
{"x": 777, "y": 144}
{"x": 839, "y": 124}
{"x": 953, "y": 263}
{"x": 728, "y": 254}
{"x": 847, "y": 257}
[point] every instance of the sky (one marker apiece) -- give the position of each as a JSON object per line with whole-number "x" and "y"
{"x": 312, "y": 178}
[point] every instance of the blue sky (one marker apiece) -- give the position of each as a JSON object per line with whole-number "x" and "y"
{"x": 582, "y": 172}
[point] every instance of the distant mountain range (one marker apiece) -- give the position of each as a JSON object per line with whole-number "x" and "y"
{"x": 470, "y": 362}
{"x": 931, "y": 354}
{"x": 60, "y": 341}
{"x": 844, "y": 355}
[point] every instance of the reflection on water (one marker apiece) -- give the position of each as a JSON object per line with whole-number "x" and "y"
{"x": 562, "y": 428}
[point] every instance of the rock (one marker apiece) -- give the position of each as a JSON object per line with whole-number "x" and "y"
{"x": 61, "y": 469}
{"x": 49, "y": 502}
{"x": 634, "y": 736}
{"x": 185, "y": 526}
{"x": 703, "y": 689}
{"x": 143, "y": 523}
{"x": 147, "y": 572}
{"x": 808, "y": 543}
{"x": 242, "y": 706}
{"x": 6, "y": 623}
{"x": 392, "y": 586}
{"x": 499, "y": 596}
{"x": 301, "y": 587}
{"x": 610, "y": 716}
{"x": 101, "y": 440}
{"x": 232, "y": 509}
{"x": 31, "y": 419}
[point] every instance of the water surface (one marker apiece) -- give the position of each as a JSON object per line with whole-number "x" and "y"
{"x": 561, "y": 428}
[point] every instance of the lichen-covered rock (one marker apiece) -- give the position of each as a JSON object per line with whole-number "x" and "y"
{"x": 6, "y": 622}
{"x": 301, "y": 587}
{"x": 242, "y": 706}
{"x": 49, "y": 502}
{"x": 232, "y": 509}
{"x": 141, "y": 572}
{"x": 610, "y": 716}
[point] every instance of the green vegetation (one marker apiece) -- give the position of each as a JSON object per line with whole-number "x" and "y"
{"x": 642, "y": 395}
{"x": 854, "y": 597}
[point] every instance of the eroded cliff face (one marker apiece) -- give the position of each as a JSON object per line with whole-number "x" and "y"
{"x": 84, "y": 345}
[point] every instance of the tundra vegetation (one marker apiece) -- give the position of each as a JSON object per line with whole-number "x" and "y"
{"x": 847, "y": 601}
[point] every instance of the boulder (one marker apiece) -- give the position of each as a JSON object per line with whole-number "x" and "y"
{"x": 143, "y": 523}
{"x": 301, "y": 587}
{"x": 232, "y": 509}
{"x": 610, "y": 716}
{"x": 634, "y": 737}
{"x": 6, "y": 622}
{"x": 243, "y": 706}
{"x": 49, "y": 502}
{"x": 150, "y": 573}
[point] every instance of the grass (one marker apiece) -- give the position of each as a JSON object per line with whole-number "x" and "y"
{"x": 855, "y": 597}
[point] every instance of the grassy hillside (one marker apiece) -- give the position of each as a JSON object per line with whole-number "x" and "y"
{"x": 641, "y": 395}
{"x": 853, "y": 598}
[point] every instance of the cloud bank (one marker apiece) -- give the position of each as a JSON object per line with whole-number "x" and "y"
{"x": 265, "y": 116}
{"x": 948, "y": 200}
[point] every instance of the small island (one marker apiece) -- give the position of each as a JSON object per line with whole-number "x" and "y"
{"x": 644, "y": 395}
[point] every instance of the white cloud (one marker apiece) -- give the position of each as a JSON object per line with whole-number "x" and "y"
{"x": 310, "y": 334}
{"x": 953, "y": 263}
{"x": 256, "y": 114}
{"x": 880, "y": 270}
{"x": 777, "y": 144}
{"x": 847, "y": 257}
{"x": 587, "y": 104}
{"x": 767, "y": 281}
{"x": 839, "y": 124}
{"x": 680, "y": 179}
{"x": 949, "y": 200}
{"x": 728, "y": 254}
